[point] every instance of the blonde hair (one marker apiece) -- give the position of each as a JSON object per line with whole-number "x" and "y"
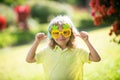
{"x": 60, "y": 20}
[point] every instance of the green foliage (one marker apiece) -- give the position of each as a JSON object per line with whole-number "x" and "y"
{"x": 77, "y": 2}
{"x": 8, "y": 13}
{"x": 73, "y": 2}
{"x": 109, "y": 20}
{"x": 43, "y": 12}
{"x": 12, "y": 2}
{"x": 9, "y": 38}
{"x": 12, "y": 36}
{"x": 6, "y": 39}
{"x": 86, "y": 21}
{"x": 23, "y": 37}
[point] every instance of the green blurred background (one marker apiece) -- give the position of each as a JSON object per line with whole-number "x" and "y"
{"x": 15, "y": 43}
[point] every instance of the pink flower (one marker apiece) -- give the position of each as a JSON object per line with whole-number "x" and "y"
{"x": 3, "y": 22}
{"x": 93, "y": 13}
{"x": 22, "y": 12}
{"x": 22, "y": 9}
{"x": 111, "y": 10}
{"x": 107, "y": 11}
{"x": 98, "y": 20}
{"x": 103, "y": 10}
{"x": 22, "y": 16}
{"x": 115, "y": 29}
{"x": 92, "y": 3}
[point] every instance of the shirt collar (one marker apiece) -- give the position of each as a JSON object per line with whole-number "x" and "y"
{"x": 57, "y": 48}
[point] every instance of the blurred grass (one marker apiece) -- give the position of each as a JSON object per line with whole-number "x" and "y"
{"x": 14, "y": 67}
{"x": 109, "y": 67}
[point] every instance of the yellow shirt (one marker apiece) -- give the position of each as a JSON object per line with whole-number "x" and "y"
{"x": 64, "y": 64}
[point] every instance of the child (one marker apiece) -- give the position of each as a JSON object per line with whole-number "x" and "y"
{"x": 62, "y": 59}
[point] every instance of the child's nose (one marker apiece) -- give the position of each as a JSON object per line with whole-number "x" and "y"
{"x": 61, "y": 36}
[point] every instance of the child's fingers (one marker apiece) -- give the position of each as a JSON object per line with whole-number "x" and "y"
{"x": 83, "y": 35}
{"x": 41, "y": 36}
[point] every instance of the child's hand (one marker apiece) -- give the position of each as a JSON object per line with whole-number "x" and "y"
{"x": 40, "y": 36}
{"x": 83, "y": 35}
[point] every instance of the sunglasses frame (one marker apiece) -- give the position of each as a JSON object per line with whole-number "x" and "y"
{"x": 61, "y": 32}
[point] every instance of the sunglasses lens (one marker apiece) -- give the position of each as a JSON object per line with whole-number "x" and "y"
{"x": 55, "y": 34}
{"x": 67, "y": 33}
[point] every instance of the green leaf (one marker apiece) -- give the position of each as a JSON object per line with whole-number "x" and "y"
{"x": 66, "y": 26}
{"x": 54, "y": 27}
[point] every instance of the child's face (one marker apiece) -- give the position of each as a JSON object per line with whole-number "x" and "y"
{"x": 61, "y": 35}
